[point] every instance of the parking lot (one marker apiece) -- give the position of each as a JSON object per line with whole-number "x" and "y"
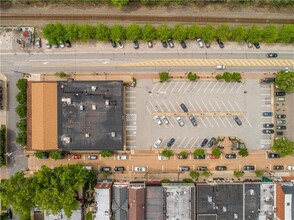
{"x": 213, "y": 103}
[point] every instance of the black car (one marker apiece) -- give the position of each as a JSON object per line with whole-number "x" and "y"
{"x": 237, "y": 120}
{"x": 272, "y": 55}
{"x": 268, "y": 80}
{"x": 248, "y": 167}
{"x": 280, "y": 93}
{"x": 211, "y": 142}
{"x": 183, "y": 44}
{"x": 220, "y": 43}
{"x": 136, "y": 44}
{"x": 268, "y": 125}
{"x": 268, "y": 131}
{"x": 256, "y": 45}
{"x": 171, "y": 142}
{"x": 113, "y": 44}
{"x": 170, "y": 43}
{"x": 280, "y": 116}
{"x": 278, "y": 167}
{"x": 231, "y": 156}
{"x": 220, "y": 168}
{"x": 273, "y": 155}
{"x": 267, "y": 114}
{"x": 119, "y": 169}
{"x": 193, "y": 120}
{"x": 207, "y": 44}
{"x": 67, "y": 43}
{"x": 105, "y": 169}
{"x": 164, "y": 44}
{"x": 199, "y": 157}
{"x": 202, "y": 168}
{"x": 9, "y": 213}
{"x": 204, "y": 142}
{"x": 282, "y": 127}
{"x": 184, "y": 108}
{"x": 280, "y": 133}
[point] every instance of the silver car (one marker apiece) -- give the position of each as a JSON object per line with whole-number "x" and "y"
{"x": 38, "y": 42}
{"x": 180, "y": 121}
{"x": 157, "y": 143}
{"x": 200, "y": 43}
{"x": 158, "y": 120}
{"x": 164, "y": 119}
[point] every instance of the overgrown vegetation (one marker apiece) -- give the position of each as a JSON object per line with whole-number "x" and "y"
{"x": 194, "y": 174}
{"x": 55, "y": 155}
{"x": 165, "y": 180}
{"x": 61, "y": 74}
{"x": 284, "y": 147}
{"x": 216, "y": 152}
{"x": 106, "y": 153}
{"x": 285, "y": 81}
{"x": 2, "y": 145}
{"x": 238, "y": 173}
{"x": 259, "y": 173}
{"x": 21, "y": 110}
{"x": 167, "y": 153}
{"x": 243, "y": 152}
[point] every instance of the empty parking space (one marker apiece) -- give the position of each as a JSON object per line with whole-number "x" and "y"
{"x": 130, "y": 117}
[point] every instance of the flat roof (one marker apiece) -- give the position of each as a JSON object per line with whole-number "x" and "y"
{"x": 154, "y": 202}
{"x": 42, "y": 115}
{"x": 90, "y": 115}
{"x": 103, "y": 199}
{"x": 252, "y": 200}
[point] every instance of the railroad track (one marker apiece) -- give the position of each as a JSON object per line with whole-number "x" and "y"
{"x": 144, "y": 18}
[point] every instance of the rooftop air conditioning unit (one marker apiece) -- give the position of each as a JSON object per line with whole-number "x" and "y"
{"x": 66, "y": 140}
{"x": 93, "y": 88}
{"x": 94, "y": 107}
{"x": 87, "y": 135}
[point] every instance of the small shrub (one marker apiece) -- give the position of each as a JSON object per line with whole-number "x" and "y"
{"x": 163, "y": 76}
{"x": 192, "y": 76}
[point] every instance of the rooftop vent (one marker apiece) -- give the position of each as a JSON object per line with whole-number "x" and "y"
{"x": 94, "y": 107}
{"x": 87, "y": 135}
{"x": 66, "y": 100}
{"x": 93, "y": 88}
{"x": 81, "y": 108}
{"x": 66, "y": 140}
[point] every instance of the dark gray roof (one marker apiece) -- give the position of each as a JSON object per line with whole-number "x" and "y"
{"x": 154, "y": 202}
{"x": 252, "y": 200}
{"x": 120, "y": 202}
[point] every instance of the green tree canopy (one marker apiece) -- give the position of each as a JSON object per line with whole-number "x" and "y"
{"x": 243, "y": 152}
{"x": 208, "y": 33}
{"x": 163, "y": 32}
{"x": 106, "y": 153}
{"x": 286, "y": 34}
{"x": 285, "y": 81}
{"x": 206, "y": 174}
{"x": 149, "y": 32}
{"x": 86, "y": 33}
{"x": 199, "y": 152}
{"x": 270, "y": 34}
{"x": 40, "y": 154}
{"x": 194, "y": 32}
{"x": 61, "y": 74}
{"x": 239, "y": 33}
{"x": 184, "y": 154}
{"x": 134, "y": 32}
{"x": 120, "y": 3}
{"x": 238, "y": 173}
{"x": 227, "y": 76}
{"x": 194, "y": 174}
{"x": 216, "y": 152}
{"x": 71, "y": 32}
{"x": 163, "y": 76}
{"x": 167, "y": 153}
{"x": 118, "y": 33}
{"x": 236, "y": 76}
{"x": 255, "y": 34}
{"x": 192, "y": 76}
{"x": 283, "y": 147}
{"x": 223, "y": 32}
{"x": 102, "y": 32}
{"x": 219, "y": 76}
{"x": 259, "y": 173}
{"x": 179, "y": 32}
{"x": 55, "y": 155}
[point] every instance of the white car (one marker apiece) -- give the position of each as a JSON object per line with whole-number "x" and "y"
{"x": 140, "y": 169}
{"x": 160, "y": 157}
{"x": 62, "y": 45}
{"x": 164, "y": 119}
{"x": 220, "y": 67}
{"x": 200, "y": 43}
{"x": 290, "y": 167}
{"x": 47, "y": 44}
{"x": 157, "y": 143}
{"x": 158, "y": 120}
{"x": 122, "y": 157}
{"x": 180, "y": 121}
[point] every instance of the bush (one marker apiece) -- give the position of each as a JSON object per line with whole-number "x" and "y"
{"x": 243, "y": 152}
{"x": 219, "y": 77}
{"x": 120, "y": 3}
{"x": 148, "y": 32}
{"x": 165, "y": 180}
{"x": 206, "y": 174}
{"x": 134, "y": 32}
{"x": 2, "y": 145}
{"x": 118, "y": 33}
{"x": 238, "y": 173}
{"x": 284, "y": 147}
{"x": 106, "y": 153}
{"x": 40, "y": 154}
{"x": 184, "y": 154}
{"x": 259, "y": 173}
{"x": 194, "y": 174}
{"x": 105, "y": 174}
{"x": 199, "y": 152}
{"x": 163, "y": 76}
{"x": 55, "y": 155}
{"x": 61, "y": 74}
{"x": 216, "y": 152}
{"x": 285, "y": 81}
{"x": 163, "y": 32}
{"x": 192, "y": 76}
{"x": 188, "y": 180}
{"x": 102, "y": 33}
{"x": 167, "y": 153}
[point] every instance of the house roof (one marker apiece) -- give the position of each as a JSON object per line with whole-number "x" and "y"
{"x": 280, "y": 202}
{"x": 136, "y": 203}
{"x": 42, "y": 116}
{"x": 120, "y": 201}
{"x": 103, "y": 199}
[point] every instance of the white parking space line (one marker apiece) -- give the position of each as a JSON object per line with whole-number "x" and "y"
{"x": 181, "y": 87}
{"x": 233, "y": 87}
{"x": 188, "y": 87}
{"x": 202, "y": 122}
{"x": 176, "y": 140}
{"x": 209, "y": 122}
{"x": 200, "y": 87}
{"x": 196, "y": 84}
{"x": 229, "y": 122}
{"x": 165, "y": 106}
{"x": 167, "y": 87}
{"x": 198, "y": 106}
{"x": 155, "y": 86}
{"x": 220, "y": 87}
{"x": 212, "y": 106}
{"x": 239, "y": 88}
{"x": 205, "y": 106}
{"x": 248, "y": 122}
{"x": 194, "y": 143}
{"x": 222, "y": 122}
{"x": 189, "y": 141}
{"x": 213, "y": 87}
{"x": 207, "y": 86}
{"x": 218, "y": 105}
{"x": 215, "y": 122}
{"x": 231, "y": 105}
{"x": 158, "y": 105}
{"x": 226, "y": 87}
{"x": 225, "y": 106}
{"x": 237, "y": 106}
{"x": 178, "y": 105}
{"x": 192, "y": 106}
{"x": 172, "y": 106}
{"x": 163, "y": 85}
{"x": 175, "y": 86}
{"x": 152, "y": 106}
{"x": 182, "y": 141}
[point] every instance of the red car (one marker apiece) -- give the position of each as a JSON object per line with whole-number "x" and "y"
{"x": 76, "y": 156}
{"x": 213, "y": 157}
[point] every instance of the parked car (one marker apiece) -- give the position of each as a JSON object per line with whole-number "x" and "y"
{"x": 278, "y": 167}
{"x": 184, "y": 108}
{"x": 280, "y": 138}
{"x": 207, "y": 44}
{"x": 273, "y": 155}
{"x": 249, "y": 45}
{"x": 220, "y": 43}
{"x": 280, "y": 116}
{"x": 183, "y": 44}
{"x": 140, "y": 169}
{"x": 210, "y": 156}
{"x": 220, "y": 168}
{"x": 55, "y": 45}
{"x": 231, "y": 156}
{"x": 9, "y": 213}
{"x": 256, "y": 45}
{"x": 280, "y": 93}
{"x": 267, "y": 114}
{"x": 136, "y": 44}
{"x": 201, "y": 168}
{"x": 204, "y": 142}
{"x": 271, "y": 55}
{"x": 150, "y": 44}
{"x": 280, "y": 99}
{"x": 267, "y": 125}
{"x": 180, "y": 121}
{"x": 281, "y": 127}
{"x": 220, "y": 67}
{"x": 193, "y": 120}
{"x": 67, "y": 43}
{"x": 62, "y": 45}
{"x": 199, "y": 157}
{"x": 171, "y": 142}
{"x": 281, "y": 122}
{"x": 76, "y": 156}
{"x": 248, "y": 167}
{"x": 237, "y": 120}
{"x": 119, "y": 169}
{"x": 121, "y": 45}
{"x": 157, "y": 143}
{"x": 170, "y": 43}
{"x": 122, "y": 157}
{"x": 211, "y": 142}
{"x": 184, "y": 168}
{"x": 92, "y": 157}
{"x": 268, "y": 131}
{"x": 105, "y": 169}
{"x": 164, "y": 119}
{"x": 199, "y": 42}
{"x": 290, "y": 167}
{"x": 48, "y": 46}
{"x": 280, "y": 133}
{"x": 113, "y": 44}
{"x": 268, "y": 80}
{"x": 164, "y": 44}
{"x": 158, "y": 120}
{"x": 182, "y": 157}
{"x": 38, "y": 42}
{"x": 160, "y": 157}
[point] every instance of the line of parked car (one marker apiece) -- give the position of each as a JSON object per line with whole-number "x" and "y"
{"x": 61, "y": 44}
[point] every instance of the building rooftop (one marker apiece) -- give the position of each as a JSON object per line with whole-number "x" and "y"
{"x": 120, "y": 201}
{"x": 103, "y": 199}
{"x": 90, "y": 115}
{"x": 252, "y": 200}
{"x": 137, "y": 203}
{"x": 154, "y": 202}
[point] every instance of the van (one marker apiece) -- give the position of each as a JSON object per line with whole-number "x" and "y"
{"x": 220, "y": 67}
{"x": 281, "y": 99}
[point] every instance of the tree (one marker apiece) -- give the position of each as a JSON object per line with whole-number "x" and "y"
{"x": 192, "y": 76}
{"x": 148, "y": 32}
{"x": 22, "y": 124}
{"x": 184, "y": 154}
{"x": 163, "y": 76}
{"x": 285, "y": 81}
{"x": 55, "y": 155}
{"x": 86, "y": 33}
{"x": 238, "y": 173}
{"x": 118, "y": 33}
{"x": 223, "y": 33}
{"x": 194, "y": 31}
{"x": 243, "y": 152}
{"x": 120, "y": 3}
{"x": 21, "y": 110}
{"x": 102, "y": 32}
{"x": 208, "y": 33}
{"x": 61, "y": 74}
{"x": 22, "y": 85}
{"x": 238, "y": 33}
{"x": 49, "y": 33}
{"x": 206, "y": 174}
{"x": 219, "y": 76}
{"x": 199, "y": 152}
{"x": 163, "y": 32}
{"x": 165, "y": 180}
{"x": 270, "y": 34}
{"x": 21, "y": 98}
{"x": 71, "y": 32}
{"x": 284, "y": 147}
{"x": 227, "y": 76}
{"x": 167, "y": 153}
{"x": 236, "y": 77}
{"x": 40, "y": 154}
{"x": 216, "y": 152}
{"x": 134, "y": 32}
{"x": 194, "y": 174}
{"x": 21, "y": 138}
{"x": 179, "y": 32}
{"x": 188, "y": 180}
{"x": 286, "y": 33}
{"x": 106, "y": 153}
{"x": 259, "y": 173}
{"x": 255, "y": 34}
